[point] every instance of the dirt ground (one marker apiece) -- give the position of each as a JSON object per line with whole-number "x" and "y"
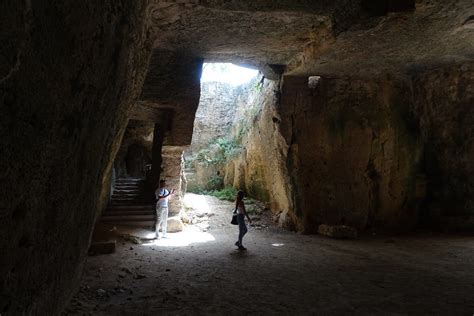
{"x": 200, "y": 272}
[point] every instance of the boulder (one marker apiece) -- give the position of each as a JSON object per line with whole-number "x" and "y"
{"x": 175, "y": 224}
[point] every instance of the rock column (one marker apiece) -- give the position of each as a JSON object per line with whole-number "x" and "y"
{"x": 173, "y": 173}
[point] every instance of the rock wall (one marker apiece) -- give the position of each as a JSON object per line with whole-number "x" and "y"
{"x": 353, "y": 152}
{"x": 69, "y": 72}
{"x": 337, "y": 150}
{"x": 378, "y": 153}
{"x": 173, "y": 174}
{"x": 135, "y": 150}
{"x": 215, "y": 118}
{"x": 261, "y": 168}
{"x": 444, "y": 101}
{"x": 215, "y": 114}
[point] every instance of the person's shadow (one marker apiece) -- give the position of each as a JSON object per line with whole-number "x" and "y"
{"x": 240, "y": 254}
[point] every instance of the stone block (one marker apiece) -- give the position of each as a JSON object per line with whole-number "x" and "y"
{"x": 175, "y": 224}
{"x": 337, "y": 231}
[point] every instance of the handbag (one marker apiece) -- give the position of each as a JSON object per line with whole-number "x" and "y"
{"x": 234, "y": 218}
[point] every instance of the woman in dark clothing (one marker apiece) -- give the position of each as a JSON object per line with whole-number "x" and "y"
{"x": 241, "y": 214}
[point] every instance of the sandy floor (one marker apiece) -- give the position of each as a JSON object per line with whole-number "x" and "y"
{"x": 200, "y": 272}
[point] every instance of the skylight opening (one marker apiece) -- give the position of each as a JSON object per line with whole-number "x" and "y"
{"x": 227, "y": 73}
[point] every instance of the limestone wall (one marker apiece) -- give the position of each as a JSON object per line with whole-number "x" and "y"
{"x": 68, "y": 75}
{"x": 353, "y": 152}
{"x": 261, "y": 169}
{"x": 444, "y": 100}
{"x": 376, "y": 153}
{"x": 135, "y": 150}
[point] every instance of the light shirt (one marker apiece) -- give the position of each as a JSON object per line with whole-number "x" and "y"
{"x": 163, "y": 202}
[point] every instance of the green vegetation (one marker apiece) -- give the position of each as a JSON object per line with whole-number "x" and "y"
{"x": 215, "y": 182}
{"x": 227, "y": 194}
{"x": 220, "y": 151}
{"x": 258, "y": 86}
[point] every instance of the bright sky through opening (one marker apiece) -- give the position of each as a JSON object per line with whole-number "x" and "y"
{"x": 228, "y": 73}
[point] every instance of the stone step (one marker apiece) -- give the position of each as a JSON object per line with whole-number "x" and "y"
{"x": 130, "y": 208}
{"x": 126, "y": 193}
{"x": 109, "y": 218}
{"x": 124, "y": 187}
{"x": 131, "y": 202}
{"x": 121, "y": 199}
{"x": 127, "y": 213}
{"x": 124, "y": 198}
{"x": 135, "y": 190}
{"x": 146, "y": 224}
{"x": 122, "y": 203}
{"x": 129, "y": 180}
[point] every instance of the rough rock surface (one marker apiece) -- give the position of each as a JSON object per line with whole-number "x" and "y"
{"x": 68, "y": 75}
{"x": 393, "y": 108}
{"x": 215, "y": 118}
{"x": 444, "y": 101}
{"x": 261, "y": 167}
{"x": 337, "y": 231}
{"x": 173, "y": 174}
{"x": 135, "y": 150}
{"x": 216, "y": 113}
{"x": 175, "y": 224}
{"x": 381, "y": 153}
{"x": 435, "y": 33}
{"x": 353, "y": 151}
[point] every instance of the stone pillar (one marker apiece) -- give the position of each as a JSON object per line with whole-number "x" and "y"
{"x": 156, "y": 160}
{"x": 170, "y": 97}
{"x": 173, "y": 173}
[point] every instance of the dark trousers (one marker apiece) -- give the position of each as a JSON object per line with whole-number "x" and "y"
{"x": 242, "y": 227}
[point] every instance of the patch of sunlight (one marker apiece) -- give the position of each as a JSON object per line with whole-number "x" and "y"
{"x": 197, "y": 203}
{"x": 182, "y": 239}
{"x": 228, "y": 73}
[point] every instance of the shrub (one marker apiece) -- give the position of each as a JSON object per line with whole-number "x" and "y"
{"x": 215, "y": 182}
{"x": 227, "y": 194}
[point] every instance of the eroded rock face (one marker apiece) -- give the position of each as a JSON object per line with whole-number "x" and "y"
{"x": 215, "y": 118}
{"x": 261, "y": 169}
{"x": 173, "y": 174}
{"x": 68, "y": 74}
{"x": 436, "y": 33}
{"x": 444, "y": 101}
{"x": 374, "y": 153}
{"x": 216, "y": 113}
{"x": 353, "y": 152}
{"x": 393, "y": 107}
{"x": 135, "y": 150}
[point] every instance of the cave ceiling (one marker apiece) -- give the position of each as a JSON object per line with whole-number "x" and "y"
{"x": 304, "y": 37}
{"x": 327, "y": 37}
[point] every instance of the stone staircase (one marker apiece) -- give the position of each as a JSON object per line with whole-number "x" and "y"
{"x": 127, "y": 206}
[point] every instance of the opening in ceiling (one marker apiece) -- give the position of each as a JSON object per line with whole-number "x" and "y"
{"x": 228, "y": 73}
